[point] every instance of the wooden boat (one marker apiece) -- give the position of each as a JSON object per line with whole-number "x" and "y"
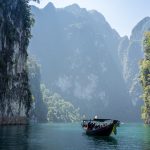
{"x": 100, "y": 127}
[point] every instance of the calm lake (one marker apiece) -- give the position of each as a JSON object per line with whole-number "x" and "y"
{"x": 72, "y": 137}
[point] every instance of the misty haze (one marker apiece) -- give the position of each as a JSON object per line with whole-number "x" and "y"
{"x": 66, "y": 68}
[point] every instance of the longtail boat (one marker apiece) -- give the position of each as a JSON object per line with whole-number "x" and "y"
{"x": 100, "y": 127}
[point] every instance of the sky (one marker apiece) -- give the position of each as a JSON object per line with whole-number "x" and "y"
{"x": 122, "y": 15}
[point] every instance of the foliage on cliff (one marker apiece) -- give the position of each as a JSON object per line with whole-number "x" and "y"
{"x": 48, "y": 106}
{"x": 145, "y": 79}
{"x": 15, "y": 32}
{"x": 59, "y": 110}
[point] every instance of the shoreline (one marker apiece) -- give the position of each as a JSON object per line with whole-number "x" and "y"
{"x": 17, "y": 120}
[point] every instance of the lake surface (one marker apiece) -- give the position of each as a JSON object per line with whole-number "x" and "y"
{"x": 72, "y": 137}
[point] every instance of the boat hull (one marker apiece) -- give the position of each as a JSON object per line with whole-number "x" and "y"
{"x": 104, "y": 131}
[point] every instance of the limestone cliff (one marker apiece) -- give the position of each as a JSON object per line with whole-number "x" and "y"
{"x": 77, "y": 49}
{"x": 39, "y": 109}
{"x": 15, "y": 96}
{"x": 130, "y": 53}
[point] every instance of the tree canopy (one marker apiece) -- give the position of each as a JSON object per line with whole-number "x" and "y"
{"x": 59, "y": 110}
{"x": 145, "y": 79}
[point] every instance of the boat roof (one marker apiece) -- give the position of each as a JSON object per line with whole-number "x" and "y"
{"x": 99, "y": 120}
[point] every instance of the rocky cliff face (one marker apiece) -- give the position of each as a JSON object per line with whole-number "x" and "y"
{"x": 130, "y": 53}
{"x": 15, "y": 96}
{"x": 39, "y": 108}
{"x": 78, "y": 51}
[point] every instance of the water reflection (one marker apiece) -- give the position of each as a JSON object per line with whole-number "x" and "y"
{"x": 14, "y": 136}
{"x": 109, "y": 139}
{"x": 146, "y": 137}
{"x": 101, "y": 142}
{"x": 71, "y": 137}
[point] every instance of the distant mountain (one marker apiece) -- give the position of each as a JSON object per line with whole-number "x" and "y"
{"x": 130, "y": 53}
{"x": 78, "y": 51}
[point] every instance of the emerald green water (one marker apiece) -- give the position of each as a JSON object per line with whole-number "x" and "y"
{"x": 72, "y": 137}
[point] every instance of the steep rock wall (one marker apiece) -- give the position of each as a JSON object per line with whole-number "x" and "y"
{"x": 39, "y": 108}
{"x": 15, "y": 96}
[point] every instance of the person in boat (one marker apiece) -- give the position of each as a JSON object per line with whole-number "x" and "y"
{"x": 90, "y": 125}
{"x": 96, "y": 117}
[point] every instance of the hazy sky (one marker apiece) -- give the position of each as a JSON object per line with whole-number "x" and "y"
{"x": 122, "y": 15}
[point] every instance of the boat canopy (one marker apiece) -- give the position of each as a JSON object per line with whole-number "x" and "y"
{"x": 100, "y": 120}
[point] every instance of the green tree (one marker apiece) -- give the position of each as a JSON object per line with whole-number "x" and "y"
{"x": 59, "y": 110}
{"x": 145, "y": 79}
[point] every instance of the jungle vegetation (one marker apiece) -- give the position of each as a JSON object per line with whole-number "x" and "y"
{"x": 145, "y": 79}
